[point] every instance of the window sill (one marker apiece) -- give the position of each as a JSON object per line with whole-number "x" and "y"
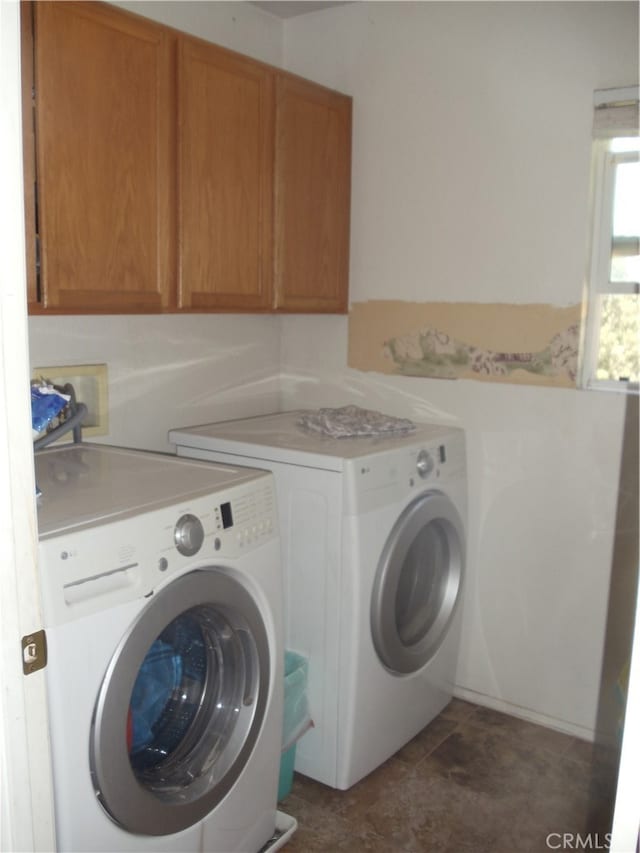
{"x": 619, "y": 387}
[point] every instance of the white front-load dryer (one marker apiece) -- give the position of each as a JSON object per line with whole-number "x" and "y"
{"x": 162, "y": 598}
{"x": 373, "y": 535}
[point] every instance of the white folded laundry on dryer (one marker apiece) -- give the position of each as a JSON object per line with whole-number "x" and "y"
{"x": 352, "y": 421}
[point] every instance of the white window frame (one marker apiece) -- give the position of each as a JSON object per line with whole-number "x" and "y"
{"x": 604, "y": 165}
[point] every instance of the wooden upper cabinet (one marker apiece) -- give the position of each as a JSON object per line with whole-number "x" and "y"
{"x": 225, "y": 179}
{"x": 105, "y": 160}
{"x": 164, "y": 173}
{"x": 29, "y": 150}
{"x": 312, "y": 197}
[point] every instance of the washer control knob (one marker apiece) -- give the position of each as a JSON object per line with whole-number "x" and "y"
{"x": 188, "y": 535}
{"x": 425, "y": 463}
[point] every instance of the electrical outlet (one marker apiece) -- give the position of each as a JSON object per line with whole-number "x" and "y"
{"x": 90, "y": 382}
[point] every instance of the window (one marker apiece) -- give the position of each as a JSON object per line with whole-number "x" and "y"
{"x": 611, "y": 351}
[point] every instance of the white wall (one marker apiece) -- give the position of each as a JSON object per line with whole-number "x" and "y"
{"x": 471, "y": 139}
{"x": 470, "y": 182}
{"x": 167, "y": 371}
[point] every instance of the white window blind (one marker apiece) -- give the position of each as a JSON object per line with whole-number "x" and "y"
{"x": 611, "y": 341}
{"x": 615, "y": 112}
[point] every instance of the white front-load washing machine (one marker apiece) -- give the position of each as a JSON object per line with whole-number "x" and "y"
{"x": 162, "y": 600}
{"x": 373, "y": 536}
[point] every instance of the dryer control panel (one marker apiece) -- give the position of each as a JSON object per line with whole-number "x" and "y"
{"x": 425, "y": 463}
{"x": 386, "y": 478}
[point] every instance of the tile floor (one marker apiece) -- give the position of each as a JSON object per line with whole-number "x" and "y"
{"x": 473, "y": 781}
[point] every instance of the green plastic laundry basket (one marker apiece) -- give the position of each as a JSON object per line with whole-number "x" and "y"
{"x": 296, "y": 717}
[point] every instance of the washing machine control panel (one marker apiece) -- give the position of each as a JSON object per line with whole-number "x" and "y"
{"x": 228, "y": 524}
{"x": 188, "y": 535}
{"x": 86, "y": 570}
{"x": 246, "y": 520}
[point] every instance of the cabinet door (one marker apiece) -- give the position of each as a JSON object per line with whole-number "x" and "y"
{"x": 104, "y": 159}
{"x": 313, "y": 192}
{"x": 29, "y": 149}
{"x": 225, "y": 179}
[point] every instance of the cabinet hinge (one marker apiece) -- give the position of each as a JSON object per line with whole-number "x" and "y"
{"x": 34, "y": 652}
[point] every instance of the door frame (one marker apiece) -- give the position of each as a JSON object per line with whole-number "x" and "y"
{"x": 26, "y": 798}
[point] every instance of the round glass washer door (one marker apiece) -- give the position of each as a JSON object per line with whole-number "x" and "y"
{"x": 418, "y": 583}
{"x": 181, "y": 704}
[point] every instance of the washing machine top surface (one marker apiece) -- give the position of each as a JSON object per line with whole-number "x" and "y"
{"x": 280, "y": 438}
{"x": 86, "y": 484}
